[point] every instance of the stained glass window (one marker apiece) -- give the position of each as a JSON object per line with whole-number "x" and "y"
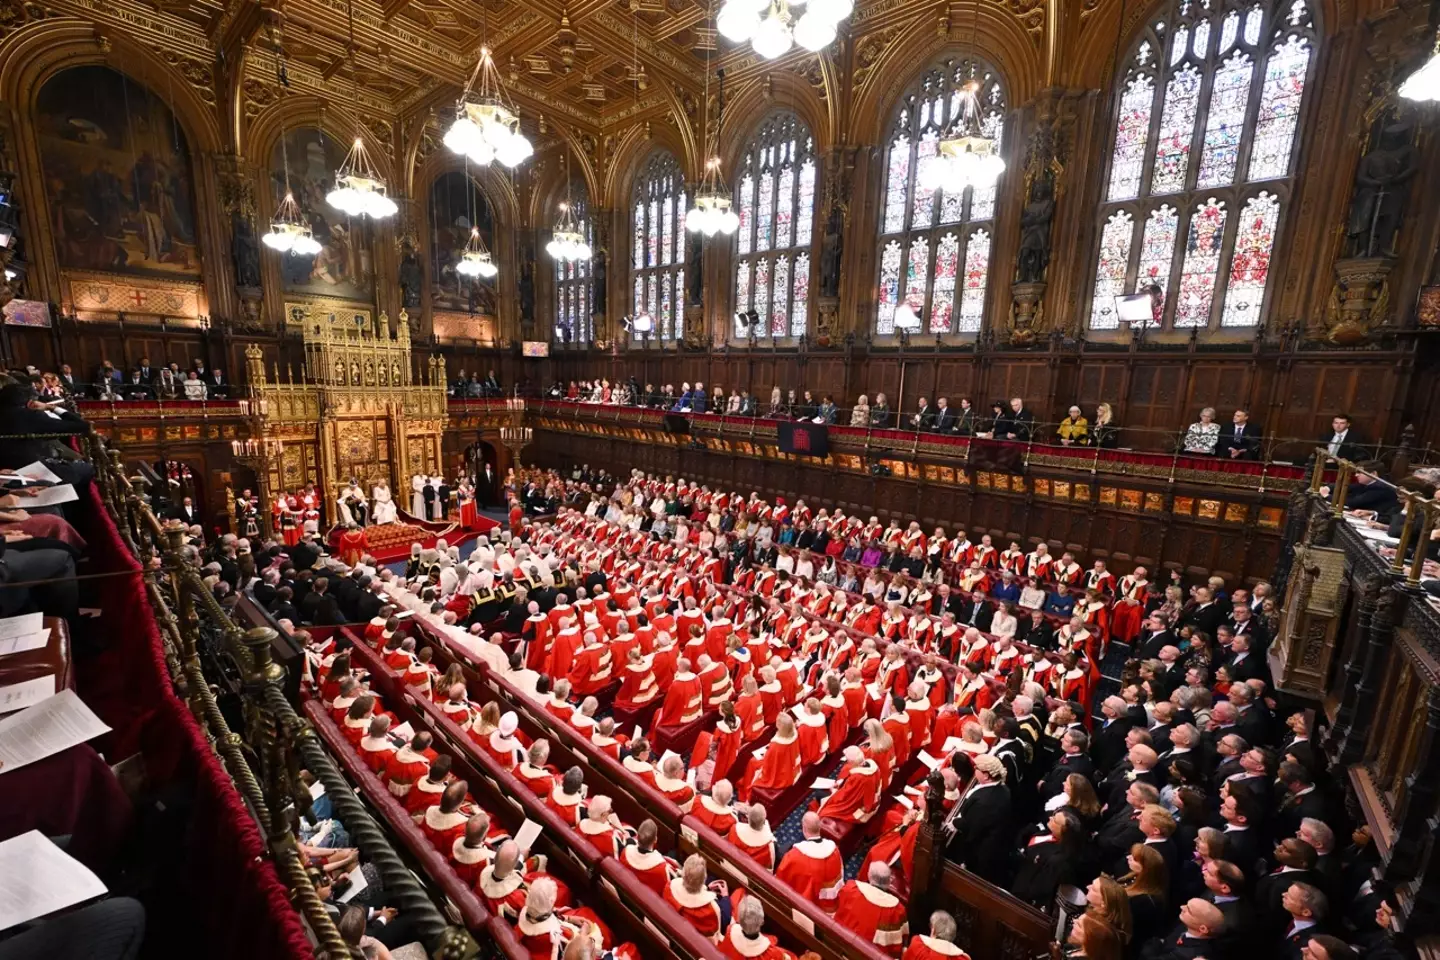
{"x": 659, "y": 255}
{"x": 1198, "y": 133}
{"x": 574, "y": 304}
{"x": 934, "y": 246}
{"x": 775, "y": 199}
{"x": 1110, "y": 273}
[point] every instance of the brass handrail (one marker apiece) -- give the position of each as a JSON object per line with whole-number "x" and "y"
{"x": 1422, "y": 514}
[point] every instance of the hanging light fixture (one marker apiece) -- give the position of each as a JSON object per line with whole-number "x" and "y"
{"x": 1424, "y": 84}
{"x": 359, "y": 188}
{"x": 782, "y": 24}
{"x": 711, "y": 214}
{"x": 487, "y": 124}
{"x": 966, "y": 156}
{"x": 289, "y": 231}
{"x": 476, "y": 260}
{"x": 567, "y": 240}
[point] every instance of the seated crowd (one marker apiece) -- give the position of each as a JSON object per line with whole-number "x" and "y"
{"x": 1011, "y": 420}
{"x": 142, "y": 381}
{"x": 727, "y": 654}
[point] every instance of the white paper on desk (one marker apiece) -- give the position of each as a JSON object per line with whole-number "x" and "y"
{"x": 357, "y": 883}
{"x": 52, "y": 496}
{"x": 38, "y": 471}
{"x": 930, "y": 761}
{"x": 23, "y": 644}
{"x": 58, "y": 723}
{"x": 526, "y": 836}
{"x": 404, "y": 731}
{"x": 38, "y": 878}
{"x": 26, "y": 693}
{"x": 823, "y": 783}
{"x": 21, "y": 626}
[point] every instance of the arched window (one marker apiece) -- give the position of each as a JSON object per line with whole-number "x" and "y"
{"x": 935, "y": 244}
{"x": 658, "y": 257}
{"x": 1202, "y": 162}
{"x": 574, "y": 303}
{"x": 775, "y": 199}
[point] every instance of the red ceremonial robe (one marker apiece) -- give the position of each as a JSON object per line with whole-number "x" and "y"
{"x": 684, "y": 701}
{"x": 759, "y": 845}
{"x": 700, "y": 908}
{"x": 653, "y": 869}
{"x": 858, "y": 796}
{"x": 814, "y": 869}
{"x": 875, "y": 915}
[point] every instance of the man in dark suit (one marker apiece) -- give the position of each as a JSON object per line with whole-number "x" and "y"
{"x": 492, "y": 385}
{"x": 1243, "y": 622}
{"x": 1241, "y": 440}
{"x": 281, "y": 608}
{"x": 186, "y": 512}
{"x": 428, "y": 494}
{"x": 1036, "y": 631}
{"x": 1296, "y": 864}
{"x": 1225, "y": 887}
{"x": 1198, "y": 934}
{"x": 1244, "y": 665}
{"x": 442, "y": 499}
{"x": 317, "y": 598}
{"x": 368, "y": 604}
{"x": 944, "y": 417}
{"x": 977, "y": 613}
{"x": 1244, "y": 846}
{"x": 1368, "y": 493}
{"x": 924, "y": 418}
{"x": 1343, "y": 440}
{"x": 1122, "y": 830}
{"x": 1307, "y": 909}
{"x": 305, "y": 553}
{"x": 215, "y": 383}
{"x": 1302, "y": 800}
{"x": 1203, "y": 612}
{"x": 979, "y": 829}
{"x": 72, "y": 386}
{"x": 1154, "y": 637}
{"x": 1108, "y": 749}
{"x": 1020, "y": 424}
{"x": 148, "y": 374}
{"x": 1073, "y": 759}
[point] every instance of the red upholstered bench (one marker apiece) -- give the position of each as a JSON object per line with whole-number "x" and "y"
{"x": 681, "y": 737}
{"x": 628, "y": 718}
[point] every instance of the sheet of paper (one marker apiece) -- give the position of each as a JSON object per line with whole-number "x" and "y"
{"x": 58, "y": 723}
{"x": 803, "y": 922}
{"x": 872, "y": 690}
{"x": 53, "y": 496}
{"x": 929, "y": 761}
{"x": 823, "y": 783}
{"x": 904, "y": 801}
{"x": 404, "y": 731}
{"x": 915, "y": 791}
{"x": 317, "y": 790}
{"x": 38, "y": 878}
{"x": 638, "y": 733}
{"x": 527, "y": 834}
{"x": 21, "y": 626}
{"x": 38, "y": 471}
{"x": 665, "y": 756}
{"x": 26, "y": 693}
{"x": 22, "y": 644}
{"x": 357, "y": 883}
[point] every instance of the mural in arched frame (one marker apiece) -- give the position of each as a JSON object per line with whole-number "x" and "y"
{"x": 345, "y": 265}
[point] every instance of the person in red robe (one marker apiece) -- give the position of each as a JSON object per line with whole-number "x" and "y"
{"x": 353, "y": 544}
{"x": 753, "y": 836}
{"x": 814, "y": 733}
{"x": 812, "y": 867}
{"x": 532, "y": 771}
{"x": 780, "y": 767}
{"x": 684, "y": 700}
{"x": 567, "y": 797}
{"x": 939, "y": 943}
{"x": 693, "y": 900}
{"x": 407, "y": 765}
{"x": 502, "y": 745}
{"x": 857, "y": 796}
{"x": 918, "y": 708}
{"x": 640, "y": 856}
{"x": 602, "y": 828}
{"x": 375, "y": 747}
{"x": 428, "y": 789}
{"x": 746, "y": 939}
{"x": 606, "y": 740}
{"x": 637, "y": 761}
{"x": 715, "y": 681}
{"x": 473, "y": 850}
{"x": 671, "y": 782}
{"x": 868, "y": 909}
{"x": 444, "y": 822}
{"x": 357, "y": 719}
{"x": 592, "y": 668}
{"x": 715, "y": 809}
{"x": 750, "y": 710}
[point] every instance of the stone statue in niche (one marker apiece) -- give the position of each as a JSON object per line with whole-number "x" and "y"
{"x": 597, "y": 274}
{"x": 527, "y": 291}
{"x": 831, "y": 249}
{"x": 244, "y": 251}
{"x": 1035, "y": 219}
{"x": 411, "y": 278}
{"x": 1382, "y": 186}
{"x": 694, "y": 275}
